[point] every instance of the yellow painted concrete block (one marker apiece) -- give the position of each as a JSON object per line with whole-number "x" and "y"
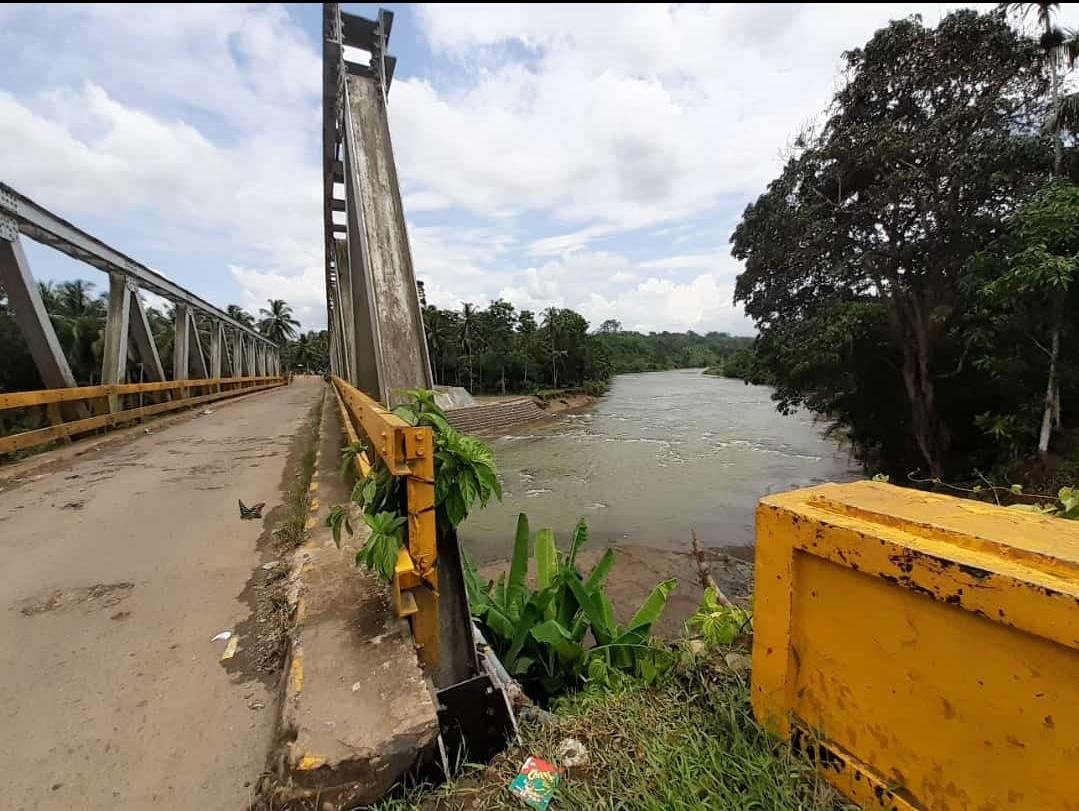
{"x": 924, "y": 650}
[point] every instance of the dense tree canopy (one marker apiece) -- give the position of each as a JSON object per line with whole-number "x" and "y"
{"x": 78, "y": 317}
{"x": 856, "y": 256}
{"x": 500, "y": 348}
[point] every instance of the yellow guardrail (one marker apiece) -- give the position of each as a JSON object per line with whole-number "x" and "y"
{"x": 96, "y": 400}
{"x": 408, "y": 452}
{"x": 922, "y": 649}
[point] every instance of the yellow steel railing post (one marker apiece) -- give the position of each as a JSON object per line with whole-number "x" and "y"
{"x": 420, "y": 487}
{"x": 408, "y": 452}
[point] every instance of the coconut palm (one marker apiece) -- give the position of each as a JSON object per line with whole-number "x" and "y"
{"x": 303, "y": 355}
{"x": 467, "y": 327}
{"x": 440, "y": 329}
{"x": 277, "y": 322}
{"x": 1061, "y": 47}
{"x": 238, "y": 313}
{"x": 79, "y": 321}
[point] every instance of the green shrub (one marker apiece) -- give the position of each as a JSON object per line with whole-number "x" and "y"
{"x": 464, "y": 476}
{"x": 541, "y": 633}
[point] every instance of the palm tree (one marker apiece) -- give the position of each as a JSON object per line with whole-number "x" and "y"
{"x": 79, "y": 321}
{"x": 163, "y": 328}
{"x": 468, "y": 333}
{"x": 439, "y": 331}
{"x": 238, "y": 313}
{"x": 302, "y": 351}
{"x": 277, "y": 323}
{"x": 550, "y": 323}
{"x": 1060, "y": 47}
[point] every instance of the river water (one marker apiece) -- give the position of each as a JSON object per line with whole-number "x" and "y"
{"x": 661, "y": 454}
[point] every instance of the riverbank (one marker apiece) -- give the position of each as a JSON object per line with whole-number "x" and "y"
{"x": 570, "y": 401}
{"x": 638, "y": 568}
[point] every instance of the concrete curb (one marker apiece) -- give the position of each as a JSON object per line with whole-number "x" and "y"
{"x": 357, "y": 712}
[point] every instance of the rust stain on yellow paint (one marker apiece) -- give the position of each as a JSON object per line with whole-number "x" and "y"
{"x": 921, "y": 642}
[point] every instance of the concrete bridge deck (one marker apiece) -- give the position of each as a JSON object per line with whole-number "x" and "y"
{"x": 118, "y": 568}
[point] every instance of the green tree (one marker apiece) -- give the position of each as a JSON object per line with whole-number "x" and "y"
{"x": 238, "y": 313}
{"x": 933, "y": 138}
{"x": 496, "y": 324}
{"x": 277, "y": 322}
{"x": 1028, "y": 279}
{"x": 79, "y": 321}
{"x": 468, "y": 332}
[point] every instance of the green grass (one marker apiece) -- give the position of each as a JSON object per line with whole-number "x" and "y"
{"x": 688, "y": 743}
{"x": 291, "y": 530}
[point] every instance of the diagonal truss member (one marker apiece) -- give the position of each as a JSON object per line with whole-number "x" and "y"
{"x": 126, "y": 327}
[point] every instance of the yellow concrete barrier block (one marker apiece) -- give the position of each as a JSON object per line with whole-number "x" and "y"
{"x": 922, "y": 649}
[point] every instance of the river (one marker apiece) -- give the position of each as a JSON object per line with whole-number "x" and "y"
{"x": 661, "y": 454}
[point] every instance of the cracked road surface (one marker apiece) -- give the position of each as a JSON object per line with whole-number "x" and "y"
{"x": 118, "y": 569}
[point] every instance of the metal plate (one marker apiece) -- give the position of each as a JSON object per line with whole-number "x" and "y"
{"x": 475, "y": 721}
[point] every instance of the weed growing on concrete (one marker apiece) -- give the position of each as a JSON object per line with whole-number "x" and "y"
{"x": 291, "y": 530}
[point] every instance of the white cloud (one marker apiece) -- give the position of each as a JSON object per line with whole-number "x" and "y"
{"x": 195, "y": 128}
{"x": 597, "y": 155}
{"x": 305, "y": 293}
{"x": 617, "y": 119}
{"x": 602, "y": 285}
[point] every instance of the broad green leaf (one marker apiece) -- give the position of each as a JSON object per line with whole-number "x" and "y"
{"x": 456, "y": 511}
{"x": 546, "y": 557}
{"x": 652, "y": 609}
{"x": 580, "y": 537}
{"x": 522, "y": 666}
{"x": 519, "y": 562}
{"x": 531, "y": 615}
{"x": 600, "y": 570}
{"x": 500, "y": 625}
{"x": 609, "y": 624}
{"x": 466, "y": 481}
{"x": 488, "y": 480}
{"x": 553, "y": 634}
{"x": 593, "y": 609}
{"x": 407, "y": 414}
{"x": 501, "y": 594}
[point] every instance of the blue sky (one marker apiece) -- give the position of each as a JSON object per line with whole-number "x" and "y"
{"x": 596, "y": 157}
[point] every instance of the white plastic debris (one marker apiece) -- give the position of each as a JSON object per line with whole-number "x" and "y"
{"x": 206, "y": 412}
{"x": 224, "y": 636}
{"x": 571, "y": 752}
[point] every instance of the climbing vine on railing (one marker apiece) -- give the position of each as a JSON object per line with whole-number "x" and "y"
{"x": 465, "y": 476}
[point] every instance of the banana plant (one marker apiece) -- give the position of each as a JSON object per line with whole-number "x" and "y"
{"x": 541, "y": 633}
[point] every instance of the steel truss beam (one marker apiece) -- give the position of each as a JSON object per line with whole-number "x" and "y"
{"x": 43, "y": 226}
{"x": 127, "y": 320}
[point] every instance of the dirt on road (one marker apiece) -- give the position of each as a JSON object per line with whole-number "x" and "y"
{"x": 119, "y": 568}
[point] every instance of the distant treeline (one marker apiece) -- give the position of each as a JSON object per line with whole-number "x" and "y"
{"x": 502, "y": 349}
